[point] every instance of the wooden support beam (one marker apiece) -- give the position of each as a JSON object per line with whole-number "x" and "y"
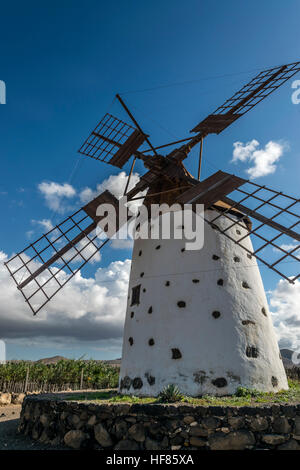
{"x": 135, "y": 122}
{"x": 200, "y": 158}
{"x": 129, "y": 176}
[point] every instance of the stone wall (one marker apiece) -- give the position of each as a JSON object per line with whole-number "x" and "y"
{"x": 50, "y": 419}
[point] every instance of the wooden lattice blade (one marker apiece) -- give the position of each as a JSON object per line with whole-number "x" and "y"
{"x": 46, "y": 265}
{"x": 272, "y": 218}
{"x": 261, "y": 86}
{"x": 274, "y": 228}
{"x": 112, "y": 141}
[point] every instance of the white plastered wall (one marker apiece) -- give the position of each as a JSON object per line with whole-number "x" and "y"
{"x": 216, "y": 353}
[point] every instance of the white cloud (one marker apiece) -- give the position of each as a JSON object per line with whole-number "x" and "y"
{"x": 46, "y": 224}
{"x": 243, "y": 152}
{"x": 115, "y": 184}
{"x": 263, "y": 160}
{"x": 87, "y": 194}
{"x": 285, "y": 306}
{"x": 29, "y": 234}
{"x": 55, "y": 195}
{"x": 289, "y": 247}
{"x": 87, "y": 309}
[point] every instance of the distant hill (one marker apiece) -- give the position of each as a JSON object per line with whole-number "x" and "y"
{"x": 51, "y": 360}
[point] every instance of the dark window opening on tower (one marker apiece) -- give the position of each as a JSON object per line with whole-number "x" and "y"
{"x": 135, "y": 295}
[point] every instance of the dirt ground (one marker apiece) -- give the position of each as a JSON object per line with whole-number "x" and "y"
{"x": 9, "y": 437}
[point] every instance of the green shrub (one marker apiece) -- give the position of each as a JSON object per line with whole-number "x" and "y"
{"x": 246, "y": 392}
{"x": 170, "y": 394}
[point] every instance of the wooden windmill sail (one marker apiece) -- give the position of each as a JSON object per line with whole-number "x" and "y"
{"x": 235, "y": 209}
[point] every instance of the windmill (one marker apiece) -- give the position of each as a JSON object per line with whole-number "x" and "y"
{"x": 200, "y": 319}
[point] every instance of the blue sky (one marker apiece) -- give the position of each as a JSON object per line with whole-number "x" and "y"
{"x": 174, "y": 62}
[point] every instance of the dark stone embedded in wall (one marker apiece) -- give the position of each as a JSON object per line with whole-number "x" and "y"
{"x": 150, "y": 310}
{"x": 220, "y": 282}
{"x": 214, "y": 226}
{"x": 252, "y": 351}
{"x": 142, "y": 274}
{"x": 238, "y": 232}
{"x": 151, "y": 342}
{"x": 131, "y": 314}
{"x": 150, "y": 379}
{"x": 248, "y": 322}
{"x": 220, "y": 382}
{"x": 137, "y": 383}
{"x": 135, "y": 295}
{"x": 245, "y": 285}
{"x": 144, "y": 290}
{"x": 140, "y": 253}
{"x": 176, "y": 354}
{"x": 236, "y": 259}
{"x": 215, "y": 257}
{"x": 130, "y": 340}
{"x": 125, "y": 382}
{"x": 200, "y": 377}
{"x": 216, "y": 314}
{"x": 249, "y": 256}
{"x": 181, "y": 304}
{"x": 195, "y": 281}
{"x": 274, "y": 381}
{"x": 157, "y": 247}
{"x": 263, "y": 310}
{"x": 167, "y": 283}
{"x": 182, "y": 250}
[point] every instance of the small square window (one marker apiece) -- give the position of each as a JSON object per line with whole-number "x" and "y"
{"x": 135, "y": 295}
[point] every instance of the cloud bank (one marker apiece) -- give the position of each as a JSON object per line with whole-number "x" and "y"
{"x": 285, "y": 307}
{"x": 55, "y": 194}
{"x": 92, "y": 309}
{"x": 87, "y": 309}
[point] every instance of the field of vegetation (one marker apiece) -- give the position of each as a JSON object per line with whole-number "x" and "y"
{"x": 65, "y": 373}
{"x": 69, "y": 374}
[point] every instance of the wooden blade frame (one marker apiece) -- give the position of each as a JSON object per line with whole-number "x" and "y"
{"x": 261, "y": 86}
{"x": 274, "y": 230}
{"x": 112, "y": 141}
{"x": 46, "y": 265}
{"x": 275, "y": 218}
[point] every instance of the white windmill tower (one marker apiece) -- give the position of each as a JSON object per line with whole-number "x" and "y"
{"x": 197, "y": 319}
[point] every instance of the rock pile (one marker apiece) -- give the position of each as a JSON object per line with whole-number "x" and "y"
{"x": 11, "y": 398}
